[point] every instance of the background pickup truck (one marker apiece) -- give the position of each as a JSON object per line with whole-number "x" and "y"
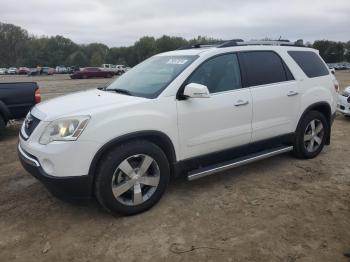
{"x": 16, "y": 99}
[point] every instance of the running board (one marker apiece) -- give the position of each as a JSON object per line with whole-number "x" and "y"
{"x": 209, "y": 170}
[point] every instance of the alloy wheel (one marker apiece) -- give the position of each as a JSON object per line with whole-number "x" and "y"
{"x": 135, "y": 180}
{"x": 313, "y": 135}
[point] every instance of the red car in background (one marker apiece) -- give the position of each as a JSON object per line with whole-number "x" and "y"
{"x": 90, "y": 72}
{"x": 23, "y": 70}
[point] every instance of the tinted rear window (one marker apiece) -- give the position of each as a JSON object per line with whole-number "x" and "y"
{"x": 265, "y": 67}
{"x": 310, "y": 63}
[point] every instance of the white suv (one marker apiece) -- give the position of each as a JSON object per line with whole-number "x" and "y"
{"x": 194, "y": 111}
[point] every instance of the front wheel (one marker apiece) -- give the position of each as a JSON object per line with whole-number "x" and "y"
{"x": 311, "y": 135}
{"x": 132, "y": 177}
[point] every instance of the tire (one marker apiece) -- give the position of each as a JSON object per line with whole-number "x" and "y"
{"x": 129, "y": 200}
{"x": 310, "y": 138}
{"x": 2, "y": 126}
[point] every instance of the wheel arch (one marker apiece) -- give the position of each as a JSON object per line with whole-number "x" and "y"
{"x": 324, "y": 108}
{"x": 156, "y": 137}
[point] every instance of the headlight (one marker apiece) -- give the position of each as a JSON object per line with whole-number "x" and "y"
{"x": 64, "y": 129}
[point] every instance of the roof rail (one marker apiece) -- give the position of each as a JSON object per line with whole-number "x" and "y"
{"x": 197, "y": 46}
{"x": 233, "y": 42}
{"x": 263, "y": 42}
{"x": 207, "y": 45}
{"x": 240, "y": 42}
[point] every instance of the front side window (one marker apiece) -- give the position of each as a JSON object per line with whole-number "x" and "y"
{"x": 152, "y": 76}
{"x": 265, "y": 67}
{"x": 219, "y": 74}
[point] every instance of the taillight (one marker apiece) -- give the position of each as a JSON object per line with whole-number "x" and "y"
{"x": 336, "y": 87}
{"x": 37, "y": 96}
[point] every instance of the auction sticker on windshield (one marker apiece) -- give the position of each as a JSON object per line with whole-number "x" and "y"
{"x": 177, "y": 61}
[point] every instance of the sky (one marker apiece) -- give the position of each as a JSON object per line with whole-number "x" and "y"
{"x": 122, "y": 22}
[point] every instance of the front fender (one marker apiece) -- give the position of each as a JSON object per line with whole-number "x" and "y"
{"x": 159, "y": 115}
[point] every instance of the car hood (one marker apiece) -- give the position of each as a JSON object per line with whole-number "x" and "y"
{"x": 82, "y": 103}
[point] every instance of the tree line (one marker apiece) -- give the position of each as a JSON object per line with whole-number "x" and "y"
{"x": 19, "y": 48}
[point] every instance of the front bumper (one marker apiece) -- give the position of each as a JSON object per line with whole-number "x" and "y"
{"x": 343, "y": 105}
{"x": 343, "y": 110}
{"x": 67, "y": 188}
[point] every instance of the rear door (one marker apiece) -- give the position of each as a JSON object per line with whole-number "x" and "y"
{"x": 275, "y": 94}
{"x": 222, "y": 121}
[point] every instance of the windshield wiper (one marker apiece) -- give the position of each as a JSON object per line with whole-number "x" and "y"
{"x": 121, "y": 91}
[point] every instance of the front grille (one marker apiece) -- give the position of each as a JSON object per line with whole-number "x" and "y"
{"x": 30, "y": 123}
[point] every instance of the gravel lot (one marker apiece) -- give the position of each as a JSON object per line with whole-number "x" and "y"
{"x": 280, "y": 209}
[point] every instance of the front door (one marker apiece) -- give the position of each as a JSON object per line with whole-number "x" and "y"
{"x": 222, "y": 121}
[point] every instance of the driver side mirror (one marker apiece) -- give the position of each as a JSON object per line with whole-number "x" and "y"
{"x": 194, "y": 90}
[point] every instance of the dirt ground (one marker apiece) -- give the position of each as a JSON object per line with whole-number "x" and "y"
{"x": 280, "y": 209}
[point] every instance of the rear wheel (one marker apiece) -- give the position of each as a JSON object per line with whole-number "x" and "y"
{"x": 132, "y": 178}
{"x": 311, "y": 135}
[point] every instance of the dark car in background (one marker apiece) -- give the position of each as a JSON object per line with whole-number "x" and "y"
{"x": 91, "y": 72}
{"x": 41, "y": 71}
{"x": 34, "y": 72}
{"x": 73, "y": 69}
{"x": 16, "y": 99}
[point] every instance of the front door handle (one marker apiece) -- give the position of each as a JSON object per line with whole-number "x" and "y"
{"x": 292, "y": 93}
{"x": 241, "y": 102}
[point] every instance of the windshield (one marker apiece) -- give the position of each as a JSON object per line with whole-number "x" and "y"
{"x": 152, "y": 76}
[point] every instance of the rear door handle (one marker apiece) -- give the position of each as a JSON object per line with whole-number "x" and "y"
{"x": 241, "y": 102}
{"x": 292, "y": 93}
